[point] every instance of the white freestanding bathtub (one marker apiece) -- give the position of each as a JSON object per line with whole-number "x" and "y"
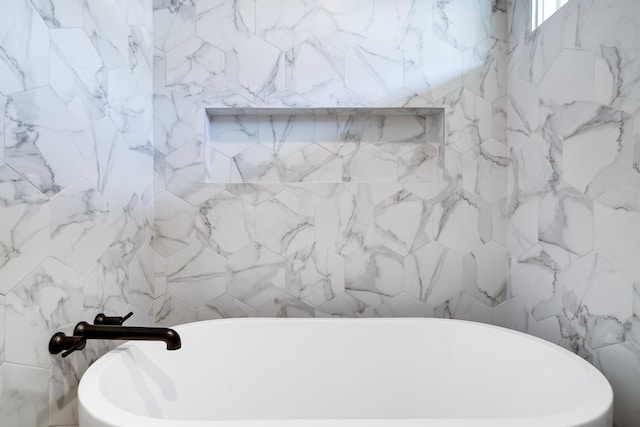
{"x": 344, "y": 372}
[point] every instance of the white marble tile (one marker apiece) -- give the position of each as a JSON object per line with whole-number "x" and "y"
{"x": 313, "y": 164}
{"x": 596, "y": 156}
{"x": 485, "y": 273}
{"x": 569, "y": 79}
{"x": 469, "y": 120}
{"x": 617, "y": 226}
{"x": 342, "y": 134}
{"x": 255, "y": 193}
{"x": 370, "y": 164}
{"x": 463, "y": 25}
{"x": 24, "y": 395}
{"x": 47, "y": 299}
{"x": 173, "y": 23}
{"x": 343, "y": 24}
{"x": 233, "y": 133}
{"x": 108, "y": 31}
{"x": 398, "y": 134}
{"x": 64, "y": 376}
{"x": 500, "y": 223}
{"x": 463, "y": 223}
{"x": 284, "y": 224}
{"x": 404, "y": 305}
{"x": 344, "y": 223}
{"x": 2, "y": 328}
{"x": 24, "y": 231}
{"x": 184, "y": 174}
{"x": 257, "y": 164}
{"x": 60, "y": 13}
{"x": 25, "y": 49}
{"x": 285, "y": 23}
{"x": 225, "y": 307}
{"x": 434, "y": 70}
{"x": 465, "y": 307}
{"x": 159, "y": 275}
{"x": 540, "y": 49}
{"x": 257, "y": 275}
{"x": 105, "y": 285}
{"x": 597, "y": 300}
{"x": 193, "y": 66}
{"x": 534, "y": 163}
{"x": 566, "y": 220}
{"x": 225, "y": 24}
{"x": 314, "y": 275}
{"x": 78, "y": 75}
{"x": 173, "y": 121}
{"x": 499, "y": 110}
{"x": 433, "y": 274}
{"x": 315, "y": 69}
{"x": 225, "y": 223}
{"x": 422, "y": 164}
{"x": 285, "y": 305}
{"x": 619, "y": 363}
{"x": 129, "y": 107}
{"x": 38, "y": 128}
{"x": 255, "y": 69}
{"x": 403, "y": 223}
{"x": 141, "y": 289}
{"x": 285, "y": 134}
{"x": 169, "y": 311}
{"x": 373, "y": 69}
{"x": 374, "y": 274}
{"x": 109, "y": 160}
{"x": 485, "y": 171}
{"x": 345, "y": 305}
{"x": 485, "y": 69}
{"x": 196, "y": 275}
{"x": 174, "y": 224}
{"x": 79, "y": 231}
{"x": 404, "y": 22}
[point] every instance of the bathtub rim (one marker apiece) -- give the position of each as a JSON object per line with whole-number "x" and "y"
{"x": 597, "y": 404}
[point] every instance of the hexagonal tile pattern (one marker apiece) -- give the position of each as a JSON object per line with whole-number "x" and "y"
{"x": 47, "y": 299}
{"x": 373, "y": 274}
{"x": 485, "y": 272}
{"x": 225, "y": 24}
{"x": 196, "y": 275}
{"x": 463, "y": 25}
{"x": 373, "y": 69}
{"x": 79, "y": 229}
{"x": 255, "y": 69}
{"x": 284, "y": 224}
{"x": 595, "y": 157}
{"x": 225, "y": 307}
{"x": 465, "y": 307}
{"x": 566, "y": 220}
{"x": 226, "y": 223}
{"x": 195, "y": 64}
{"x": 343, "y": 24}
{"x": 315, "y": 275}
{"x": 433, "y": 274}
{"x": 403, "y": 223}
{"x": 257, "y": 275}
{"x": 285, "y": 25}
{"x": 174, "y": 226}
{"x": 404, "y": 305}
{"x": 433, "y": 71}
{"x": 24, "y": 230}
{"x": 38, "y": 129}
{"x": 315, "y": 69}
{"x": 464, "y": 222}
{"x": 285, "y": 306}
{"x": 25, "y": 59}
{"x": 569, "y": 79}
{"x": 24, "y": 394}
{"x": 485, "y": 170}
{"x": 617, "y": 226}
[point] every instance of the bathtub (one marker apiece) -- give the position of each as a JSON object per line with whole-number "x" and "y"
{"x": 344, "y": 372}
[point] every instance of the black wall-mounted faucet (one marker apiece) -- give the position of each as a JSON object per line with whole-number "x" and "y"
{"x": 110, "y": 328}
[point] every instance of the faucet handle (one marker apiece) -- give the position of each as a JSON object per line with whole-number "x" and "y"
{"x": 101, "y": 319}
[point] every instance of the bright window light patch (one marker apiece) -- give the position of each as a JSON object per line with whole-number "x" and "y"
{"x": 541, "y": 10}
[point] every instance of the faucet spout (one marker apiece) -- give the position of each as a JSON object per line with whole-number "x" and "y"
{"x": 116, "y": 332}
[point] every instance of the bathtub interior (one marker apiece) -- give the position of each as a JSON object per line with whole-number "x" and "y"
{"x": 270, "y": 369}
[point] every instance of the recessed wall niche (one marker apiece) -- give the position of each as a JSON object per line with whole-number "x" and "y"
{"x": 324, "y": 145}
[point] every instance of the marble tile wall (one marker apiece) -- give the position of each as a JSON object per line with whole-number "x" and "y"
{"x": 76, "y": 193}
{"x": 574, "y": 185}
{"x": 240, "y": 233}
